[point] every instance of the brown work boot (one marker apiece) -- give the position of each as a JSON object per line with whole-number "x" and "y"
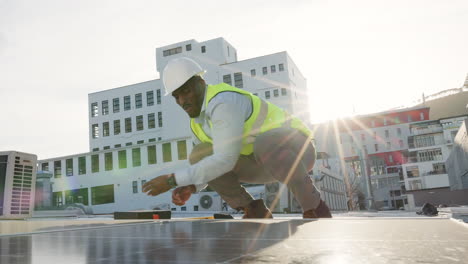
{"x": 257, "y": 209}
{"x": 322, "y": 211}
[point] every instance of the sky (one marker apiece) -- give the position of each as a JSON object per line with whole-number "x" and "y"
{"x": 358, "y": 57}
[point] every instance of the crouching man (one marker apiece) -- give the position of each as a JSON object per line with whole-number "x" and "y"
{"x": 239, "y": 138}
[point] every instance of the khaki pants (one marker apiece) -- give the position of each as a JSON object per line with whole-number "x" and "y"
{"x": 273, "y": 159}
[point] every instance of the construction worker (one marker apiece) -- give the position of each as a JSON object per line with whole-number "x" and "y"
{"x": 239, "y": 138}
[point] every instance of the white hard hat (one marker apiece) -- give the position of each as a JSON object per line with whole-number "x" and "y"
{"x": 178, "y": 71}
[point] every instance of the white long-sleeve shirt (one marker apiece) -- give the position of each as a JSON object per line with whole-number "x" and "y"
{"x": 228, "y": 112}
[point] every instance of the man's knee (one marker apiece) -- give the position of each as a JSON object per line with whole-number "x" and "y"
{"x": 200, "y": 151}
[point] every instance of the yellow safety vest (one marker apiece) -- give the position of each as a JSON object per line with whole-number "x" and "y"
{"x": 264, "y": 116}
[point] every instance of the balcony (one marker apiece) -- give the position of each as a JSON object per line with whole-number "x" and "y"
{"x": 428, "y": 130}
{"x": 434, "y": 172}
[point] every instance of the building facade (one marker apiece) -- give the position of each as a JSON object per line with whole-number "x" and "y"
{"x": 430, "y": 145}
{"x": 374, "y": 148}
{"x": 457, "y": 162}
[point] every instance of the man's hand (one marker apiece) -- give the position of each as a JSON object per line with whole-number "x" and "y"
{"x": 181, "y": 194}
{"x": 157, "y": 185}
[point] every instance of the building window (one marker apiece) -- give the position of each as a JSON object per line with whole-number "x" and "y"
{"x": 45, "y": 166}
{"x": 151, "y": 154}
{"x": 138, "y": 100}
{"x": 158, "y": 96}
{"x": 265, "y": 70}
{"x": 94, "y": 110}
{"x": 238, "y": 80}
{"x": 275, "y": 93}
{"x": 399, "y": 131}
{"x": 105, "y": 107}
{"x": 182, "y": 150}
{"x": 135, "y": 186}
{"x": 76, "y": 196}
{"x": 142, "y": 183}
{"x": 203, "y": 49}
{"x": 430, "y": 155}
{"x": 397, "y": 120}
{"x": 273, "y": 68}
{"x": 281, "y": 67}
{"x": 127, "y": 103}
{"x": 57, "y": 169}
{"x": 140, "y": 141}
{"x": 172, "y": 51}
{"x": 116, "y": 105}
{"x": 105, "y": 129}
{"x": 376, "y": 146}
{"x": 117, "y": 145}
{"x": 401, "y": 143}
{"x": 412, "y": 171}
{"x": 390, "y": 158}
{"x": 375, "y": 135}
{"x": 167, "y": 152}
{"x": 151, "y": 121}
{"x": 149, "y": 98}
{"x": 385, "y": 121}
{"x": 128, "y": 125}
{"x": 387, "y": 134}
{"x": 81, "y": 165}
{"x": 102, "y": 194}
{"x": 284, "y": 91}
{"x": 188, "y": 47}
{"x": 95, "y": 163}
{"x": 108, "y": 163}
{"x": 139, "y": 123}
{"x": 106, "y": 147}
{"x": 388, "y": 145}
{"x": 160, "y": 121}
{"x": 136, "y": 157}
{"x": 116, "y": 127}
{"x": 252, "y": 72}
{"x": 128, "y": 144}
{"x": 95, "y": 130}
{"x": 409, "y": 118}
{"x": 421, "y": 115}
{"x": 69, "y": 167}
{"x": 122, "y": 154}
{"x": 227, "y": 79}
{"x": 267, "y": 94}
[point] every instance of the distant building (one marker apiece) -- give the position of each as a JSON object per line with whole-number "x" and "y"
{"x": 17, "y": 184}
{"x": 430, "y": 144}
{"x": 373, "y": 149}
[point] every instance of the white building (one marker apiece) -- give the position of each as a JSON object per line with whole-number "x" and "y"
{"x": 136, "y": 133}
{"x": 373, "y": 149}
{"x": 430, "y": 144}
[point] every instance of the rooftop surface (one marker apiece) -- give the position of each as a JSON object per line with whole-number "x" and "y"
{"x": 356, "y": 237}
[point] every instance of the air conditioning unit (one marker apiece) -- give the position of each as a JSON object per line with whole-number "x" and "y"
{"x": 17, "y": 184}
{"x": 210, "y": 201}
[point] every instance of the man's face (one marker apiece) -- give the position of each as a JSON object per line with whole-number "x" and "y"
{"x": 190, "y": 96}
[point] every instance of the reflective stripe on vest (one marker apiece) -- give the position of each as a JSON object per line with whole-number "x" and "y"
{"x": 265, "y": 116}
